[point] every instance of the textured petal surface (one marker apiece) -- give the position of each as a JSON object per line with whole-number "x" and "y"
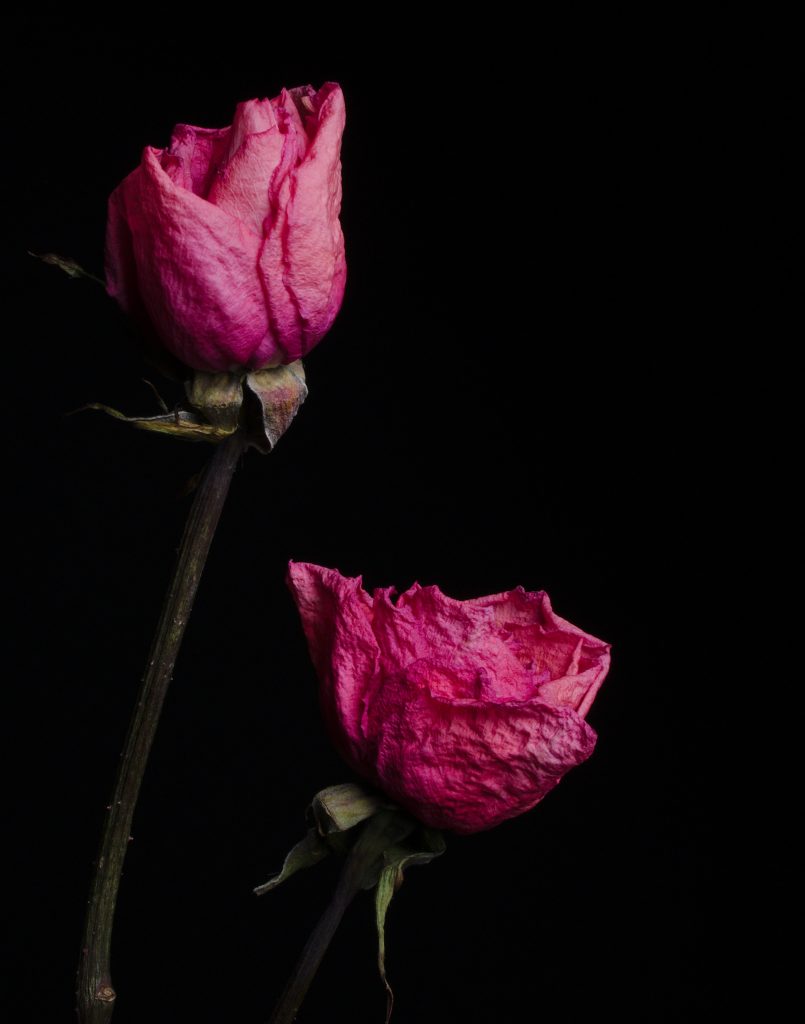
{"x": 302, "y": 263}
{"x": 199, "y": 153}
{"x": 195, "y": 268}
{"x": 465, "y": 712}
{"x": 313, "y": 234}
{"x": 336, "y": 616}
{"x": 469, "y": 767}
{"x": 228, "y": 243}
{"x": 240, "y": 186}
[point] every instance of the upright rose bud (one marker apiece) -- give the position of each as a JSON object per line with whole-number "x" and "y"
{"x": 227, "y": 243}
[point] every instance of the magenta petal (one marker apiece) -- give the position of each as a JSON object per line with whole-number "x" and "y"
{"x": 469, "y": 768}
{"x": 241, "y": 185}
{"x": 227, "y": 244}
{"x": 199, "y": 152}
{"x": 251, "y": 118}
{"x": 465, "y": 712}
{"x": 315, "y": 267}
{"x": 195, "y": 266}
{"x": 576, "y": 661}
{"x": 283, "y": 313}
{"x": 336, "y": 616}
{"x": 121, "y": 266}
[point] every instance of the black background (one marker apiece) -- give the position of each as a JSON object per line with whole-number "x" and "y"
{"x": 508, "y": 396}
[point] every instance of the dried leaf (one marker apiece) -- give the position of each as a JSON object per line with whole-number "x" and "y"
{"x": 69, "y": 266}
{"x": 185, "y": 425}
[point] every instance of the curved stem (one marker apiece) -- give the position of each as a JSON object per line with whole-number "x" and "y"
{"x": 380, "y": 831}
{"x": 96, "y": 995}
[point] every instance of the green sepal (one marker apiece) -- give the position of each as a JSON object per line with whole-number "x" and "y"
{"x": 332, "y": 813}
{"x": 307, "y": 853}
{"x": 341, "y": 807}
{"x": 396, "y": 842}
{"x": 396, "y": 859}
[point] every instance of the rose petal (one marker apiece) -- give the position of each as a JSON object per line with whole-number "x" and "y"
{"x": 283, "y": 314}
{"x": 315, "y": 267}
{"x": 121, "y": 267}
{"x": 241, "y": 185}
{"x": 336, "y": 615}
{"x": 469, "y": 768}
{"x": 470, "y": 647}
{"x": 199, "y": 152}
{"x": 246, "y": 280}
{"x": 195, "y": 267}
{"x": 465, "y": 712}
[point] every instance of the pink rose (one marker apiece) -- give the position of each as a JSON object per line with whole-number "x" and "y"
{"x": 464, "y": 712}
{"x": 228, "y": 242}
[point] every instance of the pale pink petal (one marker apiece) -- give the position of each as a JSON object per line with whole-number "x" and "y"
{"x": 252, "y": 117}
{"x": 576, "y": 661}
{"x": 315, "y": 267}
{"x": 199, "y": 152}
{"x": 241, "y": 184}
{"x": 285, "y": 342}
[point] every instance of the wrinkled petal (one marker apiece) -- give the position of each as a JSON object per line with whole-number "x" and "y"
{"x": 241, "y": 184}
{"x": 315, "y": 267}
{"x": 465, "y": 712}
{"x": 480, "y": 663}
{"x": 469, "y": 768}
{"x": 195, "y": 271}
{"x": 283, "y": 314}
{"x": 199, "y": 152}
{"x": 576, "y": 661}
{"x": 336, "y": 615}
{"x": 228, "y": 242}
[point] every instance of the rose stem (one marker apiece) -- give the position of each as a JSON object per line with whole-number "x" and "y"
{"x": 96, "y": 996}
{"x": 380, "y": 831}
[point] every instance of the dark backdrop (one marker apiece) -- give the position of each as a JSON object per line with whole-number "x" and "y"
{"x": 508, "y": 396}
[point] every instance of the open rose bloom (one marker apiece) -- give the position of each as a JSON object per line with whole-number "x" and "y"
{"x": 227, "y": 244}
{"x": 464, "y": 712}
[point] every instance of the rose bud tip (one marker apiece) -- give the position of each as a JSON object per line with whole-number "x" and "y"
{"x": 227, "y": 244}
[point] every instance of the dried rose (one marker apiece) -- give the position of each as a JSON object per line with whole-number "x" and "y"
{"x": 464, "y": 712}
{"x": 227, "y": 244}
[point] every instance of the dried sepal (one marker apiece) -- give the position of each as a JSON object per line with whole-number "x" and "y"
{"x": 306, "y": 854}
{"x": 420, "y": 849}
{"x": 276, "y": 395}
{"x": 338, "y": 808}
{"x": 261, "y": 405}
{"x": 217, "y": 396}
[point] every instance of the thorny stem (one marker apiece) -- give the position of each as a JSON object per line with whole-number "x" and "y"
{"x": 95, "y": 993}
